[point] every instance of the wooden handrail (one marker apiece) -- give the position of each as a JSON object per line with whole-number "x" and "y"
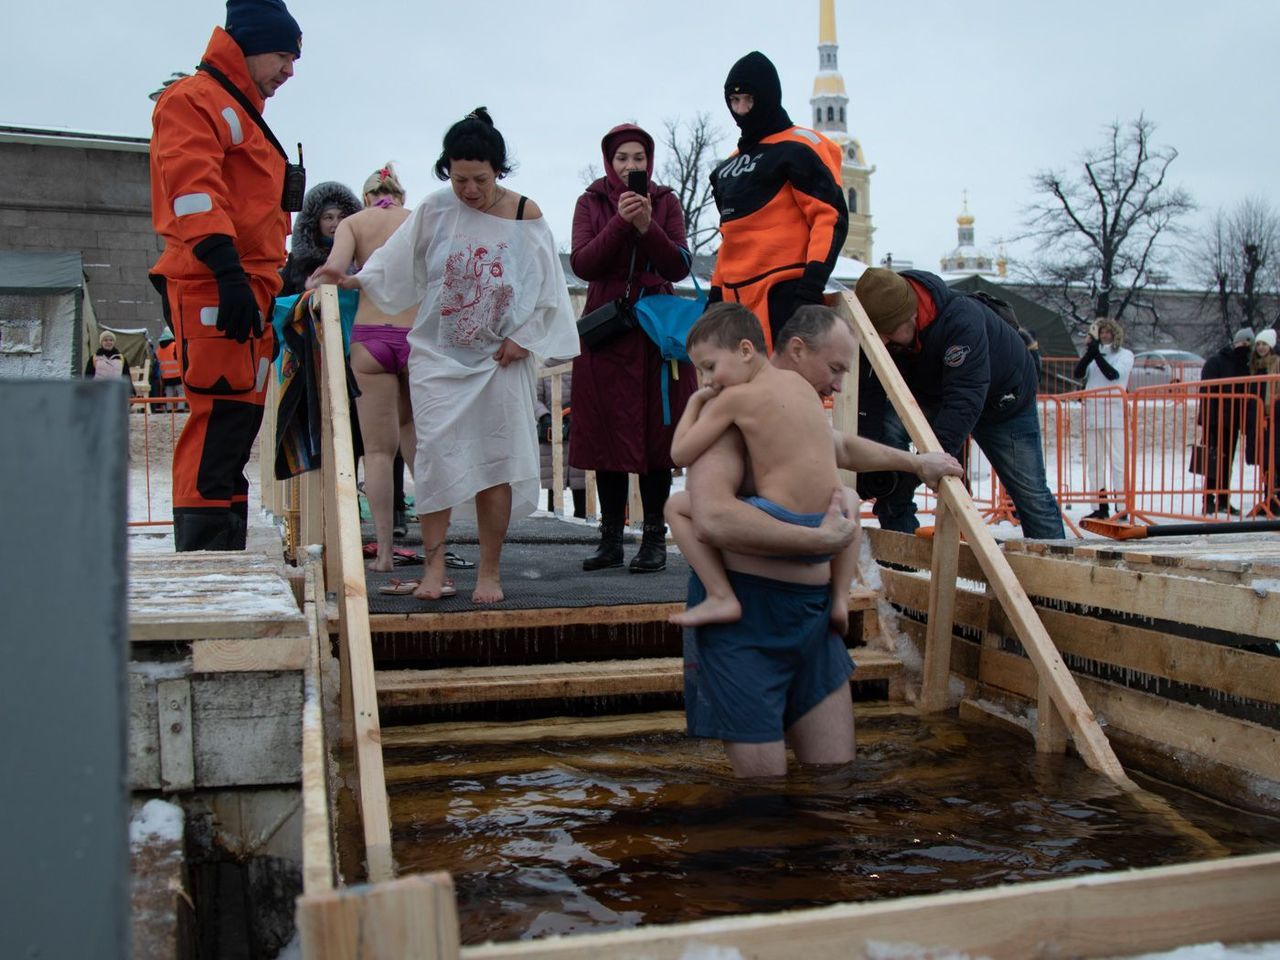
{"x": 346, "y": 575}
{"x": 1052, "y": 672}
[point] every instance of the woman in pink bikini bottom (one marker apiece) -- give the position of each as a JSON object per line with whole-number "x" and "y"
{"x": 379, "y": 354}
{"x": 388, "y": 345}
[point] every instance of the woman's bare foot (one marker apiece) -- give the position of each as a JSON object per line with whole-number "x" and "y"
{"x": 382, "y": 566}
{"x": 488, "y": 590}
{"x": 434, "y": 584}
{"x": 714, "y": 609}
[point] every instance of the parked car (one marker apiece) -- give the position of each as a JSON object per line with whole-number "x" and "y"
{"x": 1157, "y": 367}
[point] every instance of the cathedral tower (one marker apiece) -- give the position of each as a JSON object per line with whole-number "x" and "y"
{"x": 830, "y": 103}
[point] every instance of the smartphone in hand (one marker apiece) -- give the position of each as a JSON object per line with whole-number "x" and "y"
{"x": 638, "y": 182}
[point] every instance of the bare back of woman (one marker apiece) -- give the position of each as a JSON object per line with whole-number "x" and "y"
{"x": 379, "y": 355}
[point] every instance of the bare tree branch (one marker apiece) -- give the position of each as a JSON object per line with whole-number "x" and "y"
{"x": 1102, "y": 233}
{"x": 691, "y": 155}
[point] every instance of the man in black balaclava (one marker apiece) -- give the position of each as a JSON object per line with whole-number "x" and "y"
{"x": 779, "y": 246}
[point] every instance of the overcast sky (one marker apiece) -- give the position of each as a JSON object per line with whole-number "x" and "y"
{"x": 945, "y": 96}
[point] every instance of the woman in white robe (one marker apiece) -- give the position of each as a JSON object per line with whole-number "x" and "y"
{"x": 482, "y": 262}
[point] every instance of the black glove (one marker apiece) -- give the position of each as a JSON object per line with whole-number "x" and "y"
{"x": 1091, "y": 348}
{"x": 808, "y": 291}
{"x": 238, "y": 315}
{"x": 544, "y": 428}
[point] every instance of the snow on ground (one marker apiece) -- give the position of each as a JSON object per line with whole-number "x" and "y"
{"x": 157, "y": 820}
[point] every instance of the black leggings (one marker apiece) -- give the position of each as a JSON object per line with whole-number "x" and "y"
{"x": 655, "y": 487}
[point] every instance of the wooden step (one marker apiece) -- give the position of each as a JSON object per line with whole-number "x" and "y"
{"x": 861, "y": 599}
{"x": 419, "y": 688}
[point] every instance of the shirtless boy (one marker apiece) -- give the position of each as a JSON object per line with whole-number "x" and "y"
{"x": 379, "y": 353}
{"x": 788, "y": 440}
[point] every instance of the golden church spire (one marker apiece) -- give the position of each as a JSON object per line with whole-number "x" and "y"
{"x": 827, "y": 21}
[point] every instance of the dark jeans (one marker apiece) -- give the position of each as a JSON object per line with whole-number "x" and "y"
{"x": 1013, "y": 448}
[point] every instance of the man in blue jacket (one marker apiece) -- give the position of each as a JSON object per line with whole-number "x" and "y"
{"x": 972, "y": 375}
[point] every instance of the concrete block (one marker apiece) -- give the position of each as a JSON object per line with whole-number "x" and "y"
{"x": 63, "y": 692}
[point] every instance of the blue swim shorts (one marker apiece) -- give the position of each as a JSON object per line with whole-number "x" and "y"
{"x": 747, "y": 682}
{"x": 779, "y": 512}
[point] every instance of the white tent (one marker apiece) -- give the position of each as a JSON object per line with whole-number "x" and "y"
{"x": 46, "y": 316}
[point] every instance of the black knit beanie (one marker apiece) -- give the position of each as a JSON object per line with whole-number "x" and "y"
{"x": 263, "y": 26}
{"x": 755, "y": 74}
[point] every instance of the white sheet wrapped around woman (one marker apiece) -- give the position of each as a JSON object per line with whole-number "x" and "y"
{"x": 480, "y": 279}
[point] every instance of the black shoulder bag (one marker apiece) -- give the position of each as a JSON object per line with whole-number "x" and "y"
{"x": 295, "y": 175}
{"x": 608, "y": 322}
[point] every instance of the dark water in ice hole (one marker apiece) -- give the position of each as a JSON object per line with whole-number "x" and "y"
{"x": 593, "y": 835}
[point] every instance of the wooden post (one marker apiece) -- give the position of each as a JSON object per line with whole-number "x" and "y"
{"x": 1051, "y": 730}
{"x": 413, "y": 918}
{"x": 1090, "y": 741}
{"x": 317, "y": 852}
{"x": 557, "y": 443}
{"x": 593, "y": 509}
{"x": 353, "y": 604}
{"x": 942, "y": 607}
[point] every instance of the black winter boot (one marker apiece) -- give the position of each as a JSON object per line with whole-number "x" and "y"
{"x": 652, "y": 555}
{"x": 1103, "y": 511}
{"x": 609, "y": 552}
{"x": 202, "y": 529}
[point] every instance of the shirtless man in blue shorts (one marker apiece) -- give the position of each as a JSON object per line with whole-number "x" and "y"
{"x": 779, "y": 676}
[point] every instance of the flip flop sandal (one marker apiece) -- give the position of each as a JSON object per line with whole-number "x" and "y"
{"x": 451, "y": 559}
{"x": 401, "y": 557}
{"x": 402, "y": 588}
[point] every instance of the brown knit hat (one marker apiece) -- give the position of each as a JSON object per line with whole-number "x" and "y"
{"x": 888, "y": 299}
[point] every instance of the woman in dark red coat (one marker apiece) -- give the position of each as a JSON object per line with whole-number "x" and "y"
{"x": 617, "y": 423}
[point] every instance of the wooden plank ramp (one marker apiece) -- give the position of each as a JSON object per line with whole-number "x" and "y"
{"x": 236, "y": 609}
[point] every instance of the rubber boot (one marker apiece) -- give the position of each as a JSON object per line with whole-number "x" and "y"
{"x": 1103, "y": 511}
{"x": 238, "y": 526}
{"x": 609, "y": 552}
{"x": 196, "y": 529}
{"x": 652, "y": 555}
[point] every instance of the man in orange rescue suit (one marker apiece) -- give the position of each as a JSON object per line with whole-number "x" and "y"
{"x": 217, "y": 189}
{"x": 783, "y": 217}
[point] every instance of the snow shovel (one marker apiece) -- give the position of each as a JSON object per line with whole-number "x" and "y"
{"x": 1120, "y": 530}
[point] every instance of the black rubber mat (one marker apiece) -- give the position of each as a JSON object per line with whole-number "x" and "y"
{"x": 541, "y": 567}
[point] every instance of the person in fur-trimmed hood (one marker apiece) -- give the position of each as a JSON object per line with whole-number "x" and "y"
{"x": 325, "y": 206}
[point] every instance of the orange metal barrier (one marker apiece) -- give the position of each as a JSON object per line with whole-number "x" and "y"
{"x": 151, "y": 436}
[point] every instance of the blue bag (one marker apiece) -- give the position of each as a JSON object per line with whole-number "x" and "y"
{"x": 666, "y": 320}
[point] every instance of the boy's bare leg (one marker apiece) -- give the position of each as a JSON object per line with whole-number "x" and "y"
{"x": 754, "y": 760}
{"x": 721, "y": 604}
{"x": 434, "y": 528}
{"x": 379, "y": 428}
{"x": 825, "y": 734}
{"x": 844, "y": 565}
{"x": 493, "y": 515}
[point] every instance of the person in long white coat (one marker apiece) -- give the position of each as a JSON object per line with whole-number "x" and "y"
{"x": 482, "y": 262}
{"x": 1105, "y": 367}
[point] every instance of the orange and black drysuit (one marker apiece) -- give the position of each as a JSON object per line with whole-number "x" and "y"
{"x": 216, "y": 186}
{"x": 783, "y": 217}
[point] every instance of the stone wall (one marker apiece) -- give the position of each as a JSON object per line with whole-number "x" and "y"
{"x": 69, "y": 192}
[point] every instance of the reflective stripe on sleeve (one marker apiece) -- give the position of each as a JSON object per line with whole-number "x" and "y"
{"x": 264, "y": 367}
{"x": 233, "y": 124}
{"x": 190, "y": 203}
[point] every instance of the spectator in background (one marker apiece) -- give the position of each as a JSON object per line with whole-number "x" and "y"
{"x": 1106, "y": 363}
{"x": 618, "y": 424}
{"x": 1261, "y": 436}
{"x": 324, "y": 207}
{"x": 108, "y": 362}
{"x": 574, "y": 477}
{"x": 1220, "y": 415}
{"x": 170, "y": 367}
